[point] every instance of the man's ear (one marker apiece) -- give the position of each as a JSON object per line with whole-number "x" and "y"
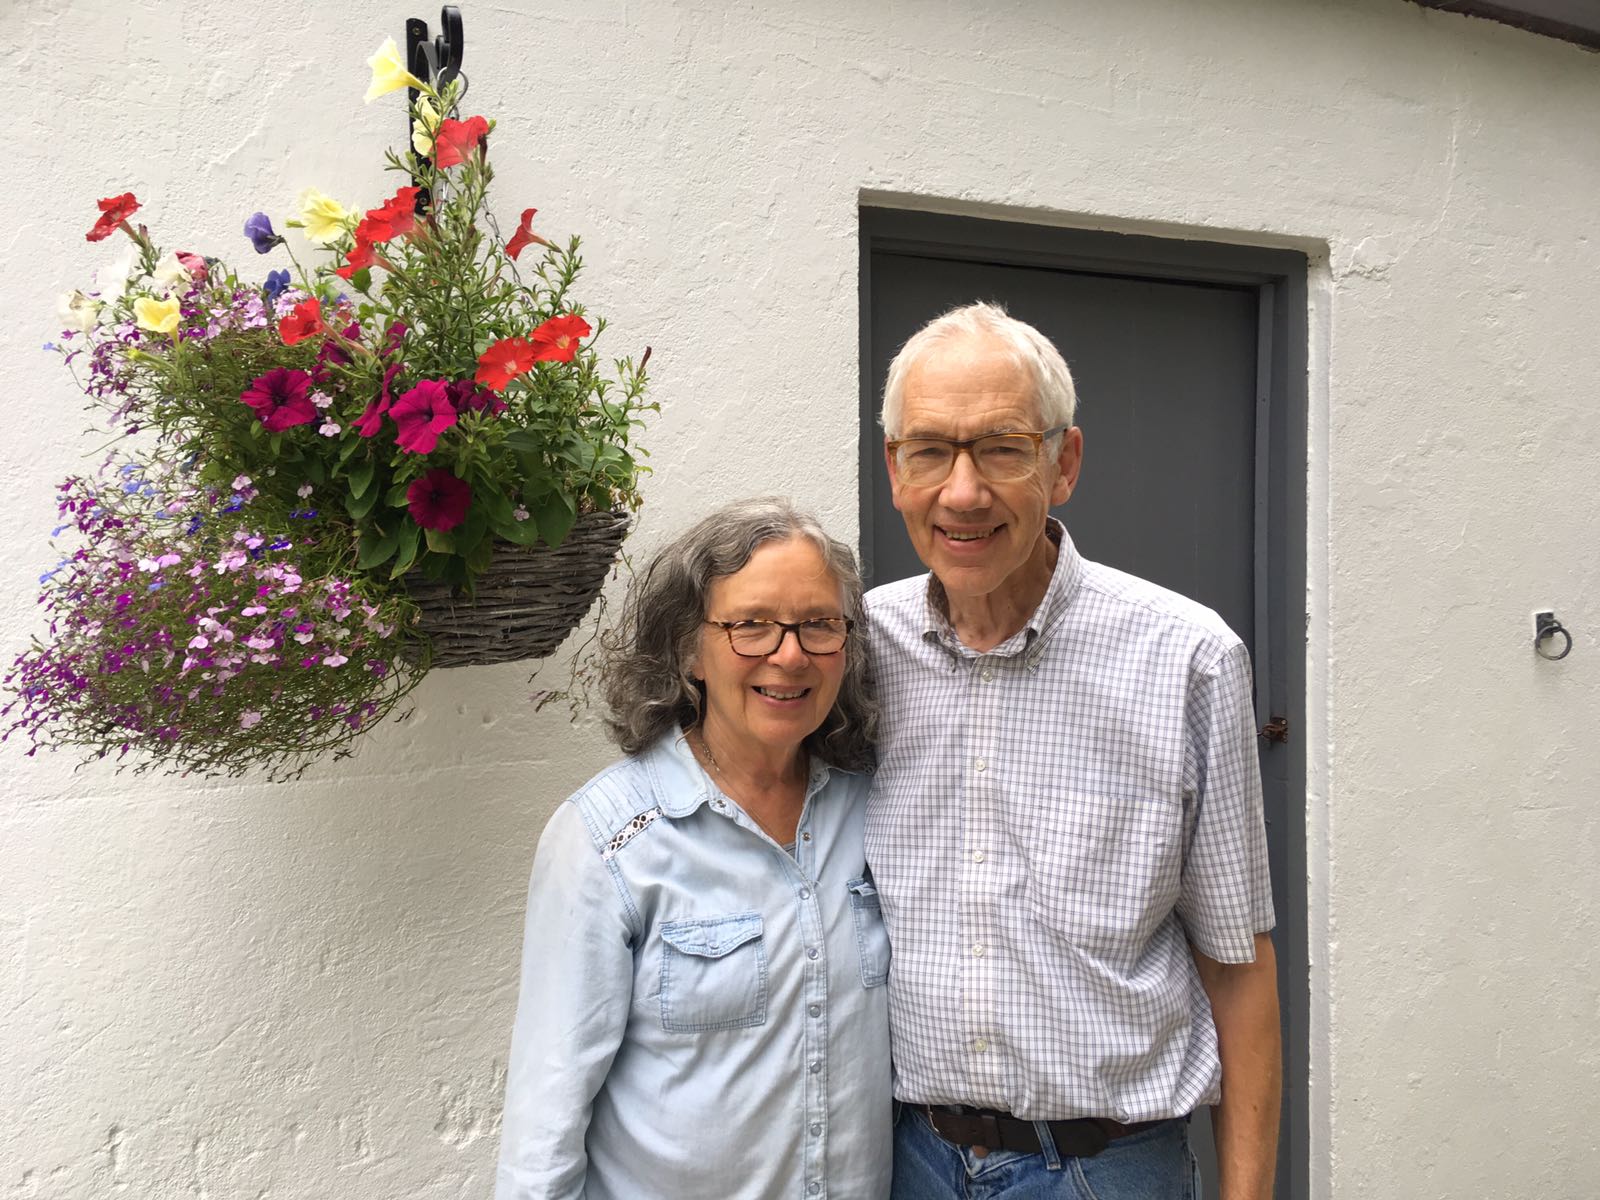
{"x": 1069, "y": 462}
{"x": 894, "y": 476}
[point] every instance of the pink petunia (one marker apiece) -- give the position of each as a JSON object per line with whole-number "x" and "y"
{"x": 281, "y": 399}
{"x": 421, "y": 415}
{"x": 371, "y": 420}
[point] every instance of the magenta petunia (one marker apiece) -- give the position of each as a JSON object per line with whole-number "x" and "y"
{"x": 465, "y": 394}
{"x": 422, "y": 414}
{"x": 438, "y": 500}
{"x": 371, "y": 420}
{"x": 281, "y": 399}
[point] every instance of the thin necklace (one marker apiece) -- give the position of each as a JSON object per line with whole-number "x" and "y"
{"x": 697, "y": 734}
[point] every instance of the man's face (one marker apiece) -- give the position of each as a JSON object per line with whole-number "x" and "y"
{"x": 973, "y": 534}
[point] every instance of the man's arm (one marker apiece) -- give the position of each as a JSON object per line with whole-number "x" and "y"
{"x": 1244, "y": 1005}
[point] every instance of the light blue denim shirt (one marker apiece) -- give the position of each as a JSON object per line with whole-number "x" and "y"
{"x": 702, "y": 1015}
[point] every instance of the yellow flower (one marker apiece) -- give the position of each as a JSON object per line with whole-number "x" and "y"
{"x": 325, "y": 218}
{"x": 388, "y": 72}
{"x": 158, "y": 316}
{"x": 424, "y": 124}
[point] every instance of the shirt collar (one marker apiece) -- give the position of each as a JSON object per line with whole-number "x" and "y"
{"x": 682, "y": 785}
{"x": 1063, "y": 586}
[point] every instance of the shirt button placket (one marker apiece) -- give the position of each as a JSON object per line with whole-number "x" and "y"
{"x": 987, "y": 787}
{"x": 815, "y": 975}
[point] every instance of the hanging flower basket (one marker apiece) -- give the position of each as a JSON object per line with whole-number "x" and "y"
{"x": 401, "y": 452}
{"x": 526, "y": 603}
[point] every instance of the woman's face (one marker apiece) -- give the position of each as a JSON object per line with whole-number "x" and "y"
{"x": 775, "y": 701}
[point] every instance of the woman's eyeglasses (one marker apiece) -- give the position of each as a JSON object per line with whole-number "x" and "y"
{"x": 757, "y": 639}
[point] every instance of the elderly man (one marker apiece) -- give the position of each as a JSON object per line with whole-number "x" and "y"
{"x": 1065, "y": 827}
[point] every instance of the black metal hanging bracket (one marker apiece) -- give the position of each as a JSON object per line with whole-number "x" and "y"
{"x": 436, "y": 60}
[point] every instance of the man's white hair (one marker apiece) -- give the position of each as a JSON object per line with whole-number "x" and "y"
{"x": 1028, "y": 348}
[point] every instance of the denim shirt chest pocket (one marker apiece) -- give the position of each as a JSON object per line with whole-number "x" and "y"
{"x": 872, "y": 938}
{"x": 713, "y": 974}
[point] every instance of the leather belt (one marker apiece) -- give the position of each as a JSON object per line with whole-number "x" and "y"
{"x": 1083, "y": 1137}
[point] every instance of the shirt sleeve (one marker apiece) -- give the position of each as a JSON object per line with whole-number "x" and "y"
{"x": 572, "y": 1010}
{"x": 1225, "y": 897}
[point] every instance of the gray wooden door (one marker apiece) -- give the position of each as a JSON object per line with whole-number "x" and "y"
{"x": 1175, "y": 374}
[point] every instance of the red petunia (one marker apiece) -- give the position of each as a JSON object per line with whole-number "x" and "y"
{"x": 304, "y": 321}
{"x": 457, "y": 139}
{"x": 438, "y": 500}
{"x": 359, "y": 256}
{"x": 114, "y": 210}
{"x": 421, "y": 415}
{"x": 504, "y": 361}
{"x": 281, "y": 399}
{"x": 557, "y": 339}
{"x": 524, "y": 236}
{"x": 395, "y": 217}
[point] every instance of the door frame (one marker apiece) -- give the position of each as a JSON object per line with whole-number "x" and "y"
{"x": 1279, "y": 277}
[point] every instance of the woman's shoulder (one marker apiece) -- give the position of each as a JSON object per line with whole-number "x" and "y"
{"x": 614, "y": 798}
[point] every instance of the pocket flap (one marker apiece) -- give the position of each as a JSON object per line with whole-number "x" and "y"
{"x": 712, "y": 938}
{"x": 863, "y": 887}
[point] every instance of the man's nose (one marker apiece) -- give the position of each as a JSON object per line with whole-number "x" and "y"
{"x": 965, "y": 489}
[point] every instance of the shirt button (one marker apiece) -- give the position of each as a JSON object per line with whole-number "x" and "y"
{"x": 814, "y": 1009}
{"x": 816, "y": 1129}
{"x": 805, "y": 837}
{"x": 805, "y": 893}
{"x": 811, "y": 953}
{"x": 988, "y": 675}
{"x": 814, "y": 1067}
{"x": 980, "y": 764}
{"x": 978, "y": 949}
{"x": 981, "y": 1045}
{"x": 978, "y": 856}
{"x": 813, "y": 1187}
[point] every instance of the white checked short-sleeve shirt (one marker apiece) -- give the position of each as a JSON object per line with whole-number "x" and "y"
{"x": 1052, "y": 824}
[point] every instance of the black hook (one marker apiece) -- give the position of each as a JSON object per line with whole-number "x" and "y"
{"x": 438, "y": 60}
{"x": 1548, "y": 625}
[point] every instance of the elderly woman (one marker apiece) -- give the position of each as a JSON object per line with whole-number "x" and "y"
{"x": 702, "y": 1014}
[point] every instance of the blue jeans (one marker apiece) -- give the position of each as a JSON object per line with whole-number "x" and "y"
{"x": 1154, "y": 1164}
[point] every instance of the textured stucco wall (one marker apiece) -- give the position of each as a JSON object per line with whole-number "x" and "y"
{"x": 304, "y": 991}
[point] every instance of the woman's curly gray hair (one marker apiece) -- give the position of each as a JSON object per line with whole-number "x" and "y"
{"x": 646, "y": 676}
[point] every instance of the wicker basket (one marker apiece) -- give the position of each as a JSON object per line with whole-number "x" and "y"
{"x": 528, "y": 600}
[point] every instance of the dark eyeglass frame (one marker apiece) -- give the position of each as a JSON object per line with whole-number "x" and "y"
{"x": 785, "y": 628}
{"x": 957, "y": 445}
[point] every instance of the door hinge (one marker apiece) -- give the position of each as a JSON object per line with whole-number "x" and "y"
{"x": 1276, "y": 730}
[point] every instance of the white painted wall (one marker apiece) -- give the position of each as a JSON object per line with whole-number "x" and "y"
{"x": 304, "y": 991}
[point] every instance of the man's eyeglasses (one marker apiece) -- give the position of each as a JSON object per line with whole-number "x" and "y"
{"x": 757, "y": 639}
{"x": 998, "y": 457}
